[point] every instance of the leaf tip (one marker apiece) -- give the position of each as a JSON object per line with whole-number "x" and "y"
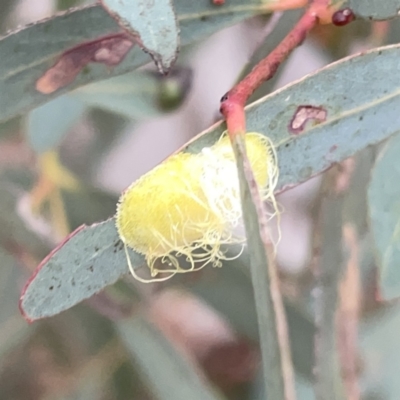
{"x": 32, "y": 278}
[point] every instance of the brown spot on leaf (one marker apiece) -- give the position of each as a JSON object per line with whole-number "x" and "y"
{"x": 109, "y": 50}
{"x": 305, "y": 113}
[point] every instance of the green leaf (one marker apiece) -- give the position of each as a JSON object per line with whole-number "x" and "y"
{"x": 379, "y": 348}
{"x": 131, "y": 95}
{"x": 95, "y": 258}
{"x": 360, "y": 112}
{"x": 272, "y": 325}
{"x": 48, "y": 124}
{"x": 384, "y": 211}
{"x": 24, "y": 60}
{"x": 153, "y": 24}
{"x": 355, "y": 209}
{"x": 374, "y": 9}
{"x": 329, "y": 274}
{"x": 168, "y": 373}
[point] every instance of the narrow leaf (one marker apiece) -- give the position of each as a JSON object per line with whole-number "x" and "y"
{"x": 380, "y": 354}
{"x": 328, "y": 382}
{"x": 384, "y": 212}
{"x": 48, "y": 124}
{"x": 132, "y": 95}
{"x": 272, "y": 325}
{"x": 374, "y": 9}
{"x": 168, "y": 373}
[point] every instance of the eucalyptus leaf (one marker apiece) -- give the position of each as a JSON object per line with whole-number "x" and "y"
{"x": 153, "y": 24}
{"x": 355, "y": 210}
{"x": 132, "y": 95}
{"x": 95, "y": 259}
{"x": 272, "y": 326}
{"x": 384, "y": 211}
{"x": 329, "y": 275}
{"x": 28, "y": 53}
{"x": 380, "y": 354}
{"x": 168, "y": 373}
{"x": 361, "y": 95}
{"x": 374, "y": 9}
{"x": 49, "y": 123}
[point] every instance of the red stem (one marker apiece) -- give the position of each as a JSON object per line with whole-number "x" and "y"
{"x": 232, "y": 104}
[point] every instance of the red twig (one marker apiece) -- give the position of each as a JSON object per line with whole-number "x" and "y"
{"x": 232, "y": 104}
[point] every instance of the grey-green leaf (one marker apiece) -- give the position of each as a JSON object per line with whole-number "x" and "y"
{"x": 131, "y": 95}
{"x": 154, "y": 25}
{"x": 87, "y": 261}
{"x": 272, "y": 326}
{"x": 374, "y": 9}
{"x": 384, "y": 211}
{"x": 329, "y": 275}
{"x": 153, "y": 352}
{"x": 23, "y": 60}
{"x": 380, "y": 355}
{"x": 47, "y": 124}
{"x": 361, "y": 95}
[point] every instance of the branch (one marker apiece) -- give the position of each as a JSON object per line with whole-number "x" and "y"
{"x": 274, "y": 341}
{"x": 232, "y": 103}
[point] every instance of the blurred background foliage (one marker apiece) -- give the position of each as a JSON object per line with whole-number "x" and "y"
{"x": 193, "y": 337}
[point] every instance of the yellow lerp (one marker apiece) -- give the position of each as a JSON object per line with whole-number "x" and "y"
{"x": 190, "y": 205}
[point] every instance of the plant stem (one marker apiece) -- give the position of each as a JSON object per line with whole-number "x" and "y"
{"x": 274, "y": 339}
{"x": 277, "y": 363}
{"x": 232, "y": 104}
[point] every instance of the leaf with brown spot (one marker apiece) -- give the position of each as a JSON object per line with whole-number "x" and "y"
{"x": 109, "y": 50}
{"x": 304, "y": 114}
{"x": 25, "y": 60}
